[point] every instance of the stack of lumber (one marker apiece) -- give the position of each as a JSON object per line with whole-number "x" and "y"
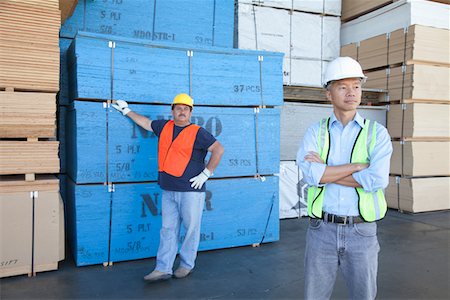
{"x": 29, "y": 51}
{"x": 403, "y": 48}
{"x": 32, "y": 218}
{"x": 200, "y": 23}
{"x": 27, "y": 115}
{"x": 413, "y": 64}
{"x": 213, "y": 76}
{"x": 420, "y": 164}
{"x": 112, "y": 162}
{"x": 307, "y": 32}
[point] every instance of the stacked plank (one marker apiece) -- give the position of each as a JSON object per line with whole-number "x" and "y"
{"x": 29, "y": 52}
{"x": 306, "y": 31}
{"x": 409, "y": 58}
{"x": 112, "y": 162}
{"x": 420, "y": 165}
{"x": 31, "y": 214}
{"x": 210, "y": 22}
{"x": 413, "y": 65}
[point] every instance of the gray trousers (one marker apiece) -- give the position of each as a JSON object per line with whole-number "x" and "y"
{"x": 352, "y": 249}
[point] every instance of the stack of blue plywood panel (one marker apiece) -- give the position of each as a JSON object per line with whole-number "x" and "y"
{"x": 199, "y": 22}
{"x": 113, "y": 200}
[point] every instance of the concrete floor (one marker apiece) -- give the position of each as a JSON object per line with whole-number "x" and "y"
{"x": 413, "y": 264}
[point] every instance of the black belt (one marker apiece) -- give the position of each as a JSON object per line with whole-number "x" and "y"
{"x": 330, "y": 218}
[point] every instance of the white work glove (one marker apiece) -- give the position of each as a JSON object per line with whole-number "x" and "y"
{"x": 200, "y": 179}
{"x": 121, "y": 106}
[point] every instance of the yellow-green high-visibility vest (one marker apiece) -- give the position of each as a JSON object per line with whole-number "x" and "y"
{"x": 372, "y": 206}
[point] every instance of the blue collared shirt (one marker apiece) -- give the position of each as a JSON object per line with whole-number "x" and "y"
{"x": 339, "y": 199}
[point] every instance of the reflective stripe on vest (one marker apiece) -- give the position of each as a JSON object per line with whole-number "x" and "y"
{"x": 372, "y": 206}
{"x": 174, "y": 155}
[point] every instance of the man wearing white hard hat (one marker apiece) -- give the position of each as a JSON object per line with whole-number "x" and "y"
{"x": 345, "y": 162}
{"x": 182, "y": 148}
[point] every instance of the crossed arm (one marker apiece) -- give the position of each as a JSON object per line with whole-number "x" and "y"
{"x": 337, "y": 174}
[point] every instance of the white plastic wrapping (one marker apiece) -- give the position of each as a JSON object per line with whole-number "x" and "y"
{"x": 292, "y": 191}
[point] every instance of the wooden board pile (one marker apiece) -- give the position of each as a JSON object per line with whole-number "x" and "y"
{"x": 32, "y": 218}
{"x": 112, "y": 163}
{"x": 413, "y": 65}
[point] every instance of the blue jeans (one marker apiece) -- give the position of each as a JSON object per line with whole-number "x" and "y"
{"x": 352, "y": 249}
{"x": 179, "y": 208}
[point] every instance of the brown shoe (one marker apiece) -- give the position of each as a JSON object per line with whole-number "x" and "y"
{"x": 182, "y": 272}
{"x": 157, "y": 276}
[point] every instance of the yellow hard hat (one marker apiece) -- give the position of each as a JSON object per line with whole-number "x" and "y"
{"x": 183, "y": 99}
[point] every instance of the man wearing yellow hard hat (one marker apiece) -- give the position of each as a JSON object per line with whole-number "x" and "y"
{"x": 182, "y": 148}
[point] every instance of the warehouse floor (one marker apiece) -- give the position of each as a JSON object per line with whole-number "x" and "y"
{"x": 413, "y": 264}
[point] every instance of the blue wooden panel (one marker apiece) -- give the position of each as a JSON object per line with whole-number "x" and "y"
{"x": 132, "y": 151}
{"x": 89, "y": 67}
{"x": 86, "y": 142}
{"x": 199, "y": 22}
{"x": 63, "y": 98}
{"x": 224, "y": 23}
{"x": 237, "y": 212}
{"x": 136, "y": 221}
{"x": 174, "y": 22}
{"x": 228, "y": 79}
{"x": 119, "y": 17}
{"x": 155, "y": 72}
{"x": 149, "y": 73}
{"x": 268, "y": 141}
{"x": 88, "y": 219}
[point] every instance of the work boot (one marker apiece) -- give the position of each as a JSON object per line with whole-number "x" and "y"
{"x": 182, "y": 272}
{"x": 157, "y": 276}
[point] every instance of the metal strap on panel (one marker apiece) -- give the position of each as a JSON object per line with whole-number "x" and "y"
{"x": 190, "y": 54}
{"x": 256, "y": 111}
{"x": 260, "y": 60}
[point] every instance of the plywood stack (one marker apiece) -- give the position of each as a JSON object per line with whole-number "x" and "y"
{"x": 413, "y": 64}
{"x": 409, "y": 57}
{"x": 420, "y": 165}
{"x": 112, "y": 163}
{"x": 29, "y": 80}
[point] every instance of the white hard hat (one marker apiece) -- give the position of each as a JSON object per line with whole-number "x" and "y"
{"x": 341, "y": 68}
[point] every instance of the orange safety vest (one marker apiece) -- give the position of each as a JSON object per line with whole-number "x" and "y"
{"x": 174, "y": 155}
